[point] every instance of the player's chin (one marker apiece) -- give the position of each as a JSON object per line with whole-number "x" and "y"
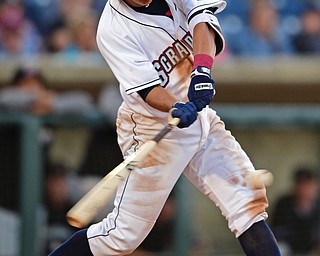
{"x": 144, "y": 2}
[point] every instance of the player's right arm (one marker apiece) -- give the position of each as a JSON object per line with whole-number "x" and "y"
{"x": 163, "y": 100}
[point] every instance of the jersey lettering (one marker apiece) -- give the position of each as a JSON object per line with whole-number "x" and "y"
{"x": 187, "y": 40}
{"x": 181, "y": 50}
{"x": 165, "y": 63}
{"x": 171, "y": 57}
{"x": 162, "y": 74}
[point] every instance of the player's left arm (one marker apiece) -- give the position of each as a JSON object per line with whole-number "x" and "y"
{"x": 205, "y": 12}
{"x": 204, "y": 40}
{"x": 207, "y": 43}
{"x": 201, "y": 89}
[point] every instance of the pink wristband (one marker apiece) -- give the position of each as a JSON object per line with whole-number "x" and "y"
{"x": 202, "y": 60}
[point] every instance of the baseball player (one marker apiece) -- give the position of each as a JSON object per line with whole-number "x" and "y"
{"x": 162, "y": 52}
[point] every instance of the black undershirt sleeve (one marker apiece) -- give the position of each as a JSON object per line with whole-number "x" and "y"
{"x": 144, "y": 92}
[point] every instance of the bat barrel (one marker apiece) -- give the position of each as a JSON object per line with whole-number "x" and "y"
{"x": 90, "y": 204}
{"x": 75, "y": 222}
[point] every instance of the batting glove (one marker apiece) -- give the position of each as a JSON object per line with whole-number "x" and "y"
{"x": 187, "y": 112}
{"x": 201, "y": 89}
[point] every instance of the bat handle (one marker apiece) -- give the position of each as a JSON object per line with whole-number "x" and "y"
{"x": 173, "y": 121}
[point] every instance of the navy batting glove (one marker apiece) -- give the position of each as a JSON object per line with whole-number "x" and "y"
{"x": 187, "y": 112}
{"x": 201, "y": 89}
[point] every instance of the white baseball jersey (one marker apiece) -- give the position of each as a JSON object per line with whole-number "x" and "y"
{"x": 144, "y": 50}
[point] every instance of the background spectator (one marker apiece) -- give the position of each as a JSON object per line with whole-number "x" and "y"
{"x": 66, "y": 26}
{"x": 47, "y": 13}
{"x": 57, "y": 202}
{"x": 59, "y": 38}
{"x": 43, "y": 13}
{"x": 296, "y": 217}
{"x": 73, "y": 35}
{"x": 262, "y": 36}
{"x": 18, "y": 36}
{"x": 307, "y": 41}
{"x": 28, "y": 91}
{"x": 82, "y": 23}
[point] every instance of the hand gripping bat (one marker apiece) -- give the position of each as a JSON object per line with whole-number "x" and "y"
{"x": 91, "y": 203}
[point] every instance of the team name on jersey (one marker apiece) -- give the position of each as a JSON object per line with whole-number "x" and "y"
{"x": 172, "y": 56}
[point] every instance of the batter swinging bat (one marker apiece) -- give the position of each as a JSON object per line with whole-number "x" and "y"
{"x": 92, "y": 202}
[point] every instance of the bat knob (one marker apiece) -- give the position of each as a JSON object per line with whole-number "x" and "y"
{"x": 172, "y": 121}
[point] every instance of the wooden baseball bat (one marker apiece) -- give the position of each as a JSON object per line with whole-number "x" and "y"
{"x": 91, "y": 203}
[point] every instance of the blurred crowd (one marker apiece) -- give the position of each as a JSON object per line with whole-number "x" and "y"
{"x": 251, "y": 27}
{"x": 263, "y": 28}
{"x": 48, "y": 26}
